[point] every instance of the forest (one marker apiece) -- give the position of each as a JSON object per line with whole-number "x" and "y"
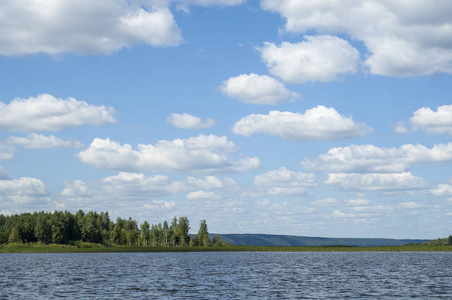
{"x": 84, "y": 229}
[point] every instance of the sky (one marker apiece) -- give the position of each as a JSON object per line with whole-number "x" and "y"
{"x": 314, "y": 118}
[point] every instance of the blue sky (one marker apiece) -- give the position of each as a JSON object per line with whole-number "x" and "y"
{"x": 288, "y": 117}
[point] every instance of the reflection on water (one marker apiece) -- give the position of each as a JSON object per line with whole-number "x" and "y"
{"x": 245, "y": 275}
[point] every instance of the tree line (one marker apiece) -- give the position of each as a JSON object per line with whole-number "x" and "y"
{"x": 440, "y": 241}
{"x": 97, "y": 228}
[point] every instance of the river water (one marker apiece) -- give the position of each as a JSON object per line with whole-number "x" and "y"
{"x": 226, "y": 275}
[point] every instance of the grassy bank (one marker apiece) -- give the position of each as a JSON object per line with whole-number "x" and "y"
{"x": 39, "y": 248}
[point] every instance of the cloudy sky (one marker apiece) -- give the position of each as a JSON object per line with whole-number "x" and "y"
{"x": 317, "y": 118}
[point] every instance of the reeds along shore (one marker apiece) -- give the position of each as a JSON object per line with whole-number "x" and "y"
{"x": 40, "y": 248}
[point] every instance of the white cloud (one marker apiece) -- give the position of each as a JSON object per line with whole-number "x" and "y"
{"x": 400, "y": 127}
{"x": 46, "y": 112}
{"x": 257, "y": 89}
{"x": 202, "y": 195}
{"x": 202, "y": 153}
{"x": 358, "y": 202}
{"x": 75, "y": 188}
{"x": 159, "y": 204}
{"x": 373, "y": 209}
{"x": 287, "y": 191}
{"x": 6, "y": 151}
{"x": 187, "y": 121}
{"x": 144, "y": 195}
{"x": 126, "y": 185}
{"x": 433, "y": 122}
{"x": 94, "y": 27}
{"x": 39, "y": 141}
{"x": 318, "y": 58}
{"x": 324, "y": 202}
{"x": 21, "y": 191}
{"x": 403, "y": 38}
{"x": 318, "y": 123}
{"x": 285, "y": 178}
{"x": 377, "y": 181}
{"x": 442, "y": 189}
{"x": 282, "y": 182}
{"x": 410, "y": 205}
{"x": 212, "y": 182}
{"x": 133, "y": 184}
{"x": 369, "y": 158}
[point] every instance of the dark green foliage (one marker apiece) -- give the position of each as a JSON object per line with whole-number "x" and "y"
{"x": 93, "y": 230}
{"x": 202, "y": 238}
{"x": 440, "y": 241}
{"x": 14, "y": 236}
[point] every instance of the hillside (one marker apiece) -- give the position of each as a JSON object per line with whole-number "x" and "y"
{"x": 291, "y": 240}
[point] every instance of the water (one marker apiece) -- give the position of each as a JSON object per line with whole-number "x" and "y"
{"x": 244, "y": 275}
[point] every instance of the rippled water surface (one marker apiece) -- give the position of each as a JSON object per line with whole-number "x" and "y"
{"x": 245, "y": 275}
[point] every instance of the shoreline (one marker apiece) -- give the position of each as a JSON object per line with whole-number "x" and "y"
{"x": 34, "y": 248}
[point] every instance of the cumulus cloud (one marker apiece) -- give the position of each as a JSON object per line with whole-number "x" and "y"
{"x": 357, "y": 202}
{"x": 128, "y": 184}
{"x": 212, "y": 182}
{"x": 373, "y": 159}
{"x": 257, "y": 89}
{"x": 95, "y": 27}
{"x": 46, "y": 112}
{"x": 23, "y": 191}
{"x": 400, "y": 127}
{"x": 133, "y": 184}
{"x": 202, "y": 154}
{"x": 6, "y": 151}
{"x": 187, "y": 121}
{"x": 403, "y": 38}
{"x": 433, "y": 122}
{"x": 75, "y": 188}
{"x": 442, "y": 189}
{"x": 120, "y": 191}
{"x": 202, "y": 195}
{"x": 284, "y": 177}
{"x": 318, "y": 58}
{"x": 318, "y": 123}
{"x": 282, "y": 182}
{"x": 39, "y": 141}
{"x": 377, "y": 181}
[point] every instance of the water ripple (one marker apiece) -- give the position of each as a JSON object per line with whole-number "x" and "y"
{"x": 355, "y": 275}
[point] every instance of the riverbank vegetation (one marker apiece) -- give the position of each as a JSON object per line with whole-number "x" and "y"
{"x": 51, "y": 232}
{"x": 97, "y": 248}
{"x": 440, "y": 241}
{"x": 95, "y": 230}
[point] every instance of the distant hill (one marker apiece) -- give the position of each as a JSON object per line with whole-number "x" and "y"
{"x": 292, "y": 240}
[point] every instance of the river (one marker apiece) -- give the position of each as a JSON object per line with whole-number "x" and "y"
{"x": 227, "y": 275}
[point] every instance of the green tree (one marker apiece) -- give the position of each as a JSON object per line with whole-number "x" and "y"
{"x": 59, "y": 234}
{"x": 132, "y": 237}
{"x": 182, "y": 230}
{"x": 202, "y": 238}
{"x": 165, "y": 234}
{"x": 117, "y": 231}
{"x": 145, "y": 233}
{"x": 173, "y": 238}
{"x": 217, "y": 241}
{"x": 43, "y": 228}
{"x": 14, "y": 236}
